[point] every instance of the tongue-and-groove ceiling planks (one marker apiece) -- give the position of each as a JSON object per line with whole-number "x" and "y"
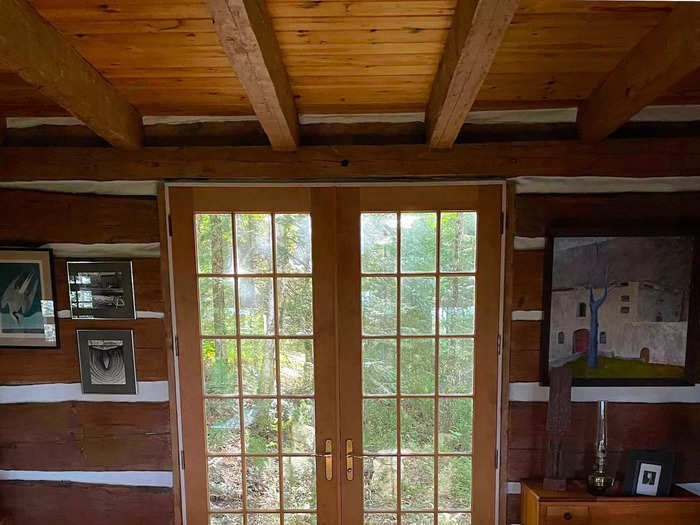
{"x": 343, "y": 56}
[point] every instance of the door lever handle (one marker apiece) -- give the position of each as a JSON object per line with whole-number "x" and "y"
{"x": 328, "y": 457}
{"x": 349, "y": 461}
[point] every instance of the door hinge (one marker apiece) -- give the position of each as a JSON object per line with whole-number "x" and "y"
{"x": 497, "y": 460}
{"x": 176, "y": 346}
{"x": 500, "y": 344}
{"x": 503, "y": 223}
{"x": 182, "y": 459}
{"x": 170, "y": 226}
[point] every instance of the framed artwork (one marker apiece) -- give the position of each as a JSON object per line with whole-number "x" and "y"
{"x": 649, "y": 473}
{"x": 621, "y": 305}
{"x": 107, "y": 364}
{"x": 101, "y": 290}
{"x": 27, "y": 309}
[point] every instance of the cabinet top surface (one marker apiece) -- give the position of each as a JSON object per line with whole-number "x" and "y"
{"x": 576, "y": 491}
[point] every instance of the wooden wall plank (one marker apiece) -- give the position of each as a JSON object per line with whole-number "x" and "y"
{"x": 528, "y": 267}
{"x": 147, "y": 284}
{"x": 662, "y": 58}
{"x": 535, "y": 212}
{"x": 674, "y": 426}
{"x": 513, "y": 509}
{"x": 478, "y": 27}
{"x": 85, "y": 436}
{"x": 33, "y": 502}
{"x": 637, "y": 157}
{"x": 22, "y": 366}
{"x": 44, "y": 58}
{"x": 54, "y": 217}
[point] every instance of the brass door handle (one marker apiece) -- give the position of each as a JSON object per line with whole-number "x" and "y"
{"x": 349, "y": 460}
{"x": 328, "y": 457}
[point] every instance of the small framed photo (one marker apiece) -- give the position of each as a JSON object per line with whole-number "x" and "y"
{"x": 101, "y": 290}
{"x": 27, "y": 308}
{"x": 107, "y": 364}
{"x": 649, "y": 473}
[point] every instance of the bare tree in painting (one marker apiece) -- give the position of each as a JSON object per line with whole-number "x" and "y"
{"x": 594, "y": 305}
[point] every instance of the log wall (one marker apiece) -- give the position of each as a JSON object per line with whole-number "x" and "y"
{"x": 631, "y": 425}
{"x": 95, "y": 437}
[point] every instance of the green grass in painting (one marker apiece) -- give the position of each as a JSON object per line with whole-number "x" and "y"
{"x": 609, "y": 367}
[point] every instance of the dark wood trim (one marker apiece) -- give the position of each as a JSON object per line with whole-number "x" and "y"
{"x": 169, "y": 348}
{"x": 46, "y": 59}
{"x": 611, "y": 158}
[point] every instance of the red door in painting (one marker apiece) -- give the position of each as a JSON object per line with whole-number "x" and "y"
{"x": 582, "y": 339}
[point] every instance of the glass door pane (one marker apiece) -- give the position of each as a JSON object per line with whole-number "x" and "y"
{"x": 427, "y": 285}
{"x": 418, "y": 273}
{"x": 256, "y": 330}
{"x": 249, "y": 305}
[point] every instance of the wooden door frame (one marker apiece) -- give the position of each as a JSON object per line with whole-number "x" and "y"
{"x": 342, "y": 237}
{"x": 188, "y": 201}
{"x": 489, "y": 201}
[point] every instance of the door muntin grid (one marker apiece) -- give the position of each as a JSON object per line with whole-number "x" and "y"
{"x": 256, "y": 330}
{"x": 418, "y": 319}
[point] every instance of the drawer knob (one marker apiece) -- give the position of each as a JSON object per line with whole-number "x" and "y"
{"x": 567, "y": 516}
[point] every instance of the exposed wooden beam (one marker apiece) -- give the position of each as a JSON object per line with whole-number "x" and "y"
{"x": 44, "y": 58}
{"x": 668, "y": 157}
{"x": 248, "y": 38}
{"x": 477, "y": 30}
{"x": 661, "y": 59}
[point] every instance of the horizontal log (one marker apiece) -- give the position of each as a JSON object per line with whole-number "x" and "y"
{"x": 147, "y": 284}
{"x": 85, "y": 436}
{"x": 528, "y": 267}
{"x": 534, "y": 213}
{"x": 513, "y": 509}
{"x": 34, "y": 218}
{"x": 29, "y": 366}
{"x": 640, "y": 157}
{"x": 525, "y": 335}
{"x": 31, "y": 502}
{"x": 524, "y": 365}
{"x": 631, "y": 426}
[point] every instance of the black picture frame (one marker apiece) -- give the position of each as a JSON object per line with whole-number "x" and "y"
{"x": 657, "y": 461}
{"x": 108, "y": 285}
{"x": 48, "y": 337}
{"x": 98, "y": 352}
{"x": 692, "y": 350}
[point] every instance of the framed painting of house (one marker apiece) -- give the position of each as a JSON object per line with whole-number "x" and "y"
{"x": 621, "y": 305}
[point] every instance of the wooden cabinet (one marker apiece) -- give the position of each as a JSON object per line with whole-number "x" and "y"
{"x": 576, "y": 506}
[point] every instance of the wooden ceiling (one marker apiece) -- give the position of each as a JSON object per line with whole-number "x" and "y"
{"x": 346, "y": 56}
{"x": 351, "y": 56}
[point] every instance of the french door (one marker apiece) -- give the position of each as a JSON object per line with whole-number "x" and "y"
{"x": 338, "y": 353}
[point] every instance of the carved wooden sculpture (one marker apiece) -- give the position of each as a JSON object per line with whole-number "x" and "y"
{"x": 558, "y": 421}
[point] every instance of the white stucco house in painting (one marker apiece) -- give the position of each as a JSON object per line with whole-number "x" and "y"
{"x": 639, "y": 320}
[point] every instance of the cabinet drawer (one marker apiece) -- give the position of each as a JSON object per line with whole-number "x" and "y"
{"x": 566, "y": 515}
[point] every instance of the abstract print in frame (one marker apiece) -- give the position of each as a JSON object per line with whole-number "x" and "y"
{"x": 621, "y": 305}
{"x": 27, "y": 308}
{"x": 107, "y": 364}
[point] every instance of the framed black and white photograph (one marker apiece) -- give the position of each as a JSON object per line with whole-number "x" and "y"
{"x": 101, "y": 290}
{"x": 27, "y": 308}
{"x": 107, "y": 364}
{"x": 621, "y": 305}
{"x": 649, "y": 473}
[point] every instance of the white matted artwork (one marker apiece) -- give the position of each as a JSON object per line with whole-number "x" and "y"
{"x": 648, "y": 479}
